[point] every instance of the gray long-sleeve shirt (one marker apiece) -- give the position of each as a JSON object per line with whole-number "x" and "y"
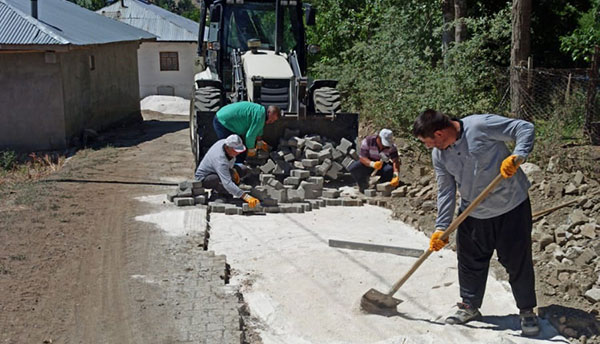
{"x": 216, "y": 162}
{"x": 474, "y": 160}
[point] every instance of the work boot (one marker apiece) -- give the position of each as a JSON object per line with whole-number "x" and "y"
{"x": 529, "y": 323}
{"x": 463, "y": 315}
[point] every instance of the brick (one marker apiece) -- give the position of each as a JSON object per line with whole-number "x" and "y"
{"x": 198, "y": 191}
{"x": 334, "y": 170}
{"x": 310, "y": 162}
{"x": 331, "y": 193}
{"x": 324, "y": 167}
{"x": 298, "y": 165}
{"x": 332, "y": 201}
{"x": 200, "y": 199}
{"x": 183, "y": 201}
{"x": 310, "y": 154}
{"x": 289, "y": 157}
{"x": 186, "y": 184}
{"x": 313, "y": 145}
{"x": 233, "y": 210}
{"x": 384, "y": 193}
{"x": 291, "y": 208}
{"x": 268, "y": 166}
{"x": 347, "y": 162}
{"x": 385, "y": 187}
{"x": 259, "y": 192}
{"x": 370, "y": 192}
{"x": 316, "y": 180}
{"x": 279, "y": 195}
{"x": 296, "y": 142}
{"x": 265, "y": 177}
{"x": 273, "y": 210}
{"x": 315, "y": 204}
{"x": 324, "y": 154}
{"x": 302, "y": 174}
{"x": 328, "y": 145}
{"x": 217, "y": 207}
{"x": 291, "y": 181}
{"x": 269, "y": 202}
{"x": 337, "y": 155}
{"x": 344, "y": 145}
{"x": 185, "y": 193}
{"x": 295, "y": 195}
{"x": 274, "y": 183}
{"x": 351, "y": 202}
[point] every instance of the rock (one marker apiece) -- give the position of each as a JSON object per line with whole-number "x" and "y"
{"x": 560, "y": 235}
{"x": 428, "y": 206}
{"x": 571, "y": 189}
{"x": 553, "y": 164}
{"x": 589, "y": 230}
{"x": 577, "y": 217}
{"x": 573, "y": 252}
{"x": 593, "y": 294}
{"x": 545, "y": 240}
{"x": 578, "y": 178}
{"x": 585, "y": 257}
{"x": 530, "y": 168}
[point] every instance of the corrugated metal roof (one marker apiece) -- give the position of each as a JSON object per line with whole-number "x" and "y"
{"x": 19, "y": 28}
{"x": 167, "y": 26}
{"x": 65, "y": 22}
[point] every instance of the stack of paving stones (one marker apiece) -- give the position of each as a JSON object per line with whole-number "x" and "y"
{"x": 188, "y": 193}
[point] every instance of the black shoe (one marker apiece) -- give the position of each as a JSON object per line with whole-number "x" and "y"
{"x": 463, "y": 315}
{"x": 529, "y": 324}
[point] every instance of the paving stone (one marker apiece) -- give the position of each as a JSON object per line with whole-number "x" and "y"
{"x": 274, "y": 183}
{"x": 310, "y": 154}
{"x": 278, "y": 194}
{"x": 370, "y": 192}
{"x": 324, "y": 167}
{"x": 337, "y": 155}
{"x": 331, "y": 193}
{"x": 291, "y": 181}
{"x": 313, "y": 145}
{"x": 385, "y": 187}
{"x": 316, "y": 180}
{"x": 217, "y": 207}
{"x": 233, "y": 210}
{"x": 289, "y": 157}
{"x": 302, "y": 174}
{"x": 200, "y": 199}
{"x": 347, "y": 162}
{"x": 186, "y": 184}
{"x": 352, "y": 153}
{"x": 256, "y": 209}
{"x": 344, "y": 145}
{"x": 332, "y": 201}
{"x": 351, "y": 202}
{"x": 199, "y": 191}
{"x": 310, "y": 162}
{"x": 315, "y": 204}
{"x": 183, "y": 201}
{"x": 296, "y": 142}
{"x": 384, "y": 193}
{"x": 298, "y": 165}
{"x": 268, "y": 166}
{"x": 265, "y": 177}
{"x": 260, "y": 191}
{"x": 185, "y": 193}
{"x": 295, "y": 195}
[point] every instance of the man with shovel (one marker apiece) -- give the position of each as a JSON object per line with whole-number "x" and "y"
{"x": 467, "y": 155}
{"x": 378, "y": 155}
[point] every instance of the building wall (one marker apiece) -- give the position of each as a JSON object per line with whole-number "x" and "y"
{"x": 151, "y": 77}
{"x": 31, "y": 102}
{"x": 101, "y": 93}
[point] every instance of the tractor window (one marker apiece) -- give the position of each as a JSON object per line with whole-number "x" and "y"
{"x": 257, "y": 20}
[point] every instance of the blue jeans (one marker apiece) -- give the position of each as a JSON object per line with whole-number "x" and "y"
{"x": 222, "y": 133}
{"x": 361, "y": 173}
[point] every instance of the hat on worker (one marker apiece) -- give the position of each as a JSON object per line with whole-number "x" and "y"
{"x": 235, "y": 142}
{"x": 387, "y": 137}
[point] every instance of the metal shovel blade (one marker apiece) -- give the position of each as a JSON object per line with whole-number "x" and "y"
{"x": 376, "y": 302}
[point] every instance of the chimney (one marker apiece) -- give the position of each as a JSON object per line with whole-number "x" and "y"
{"x": 34, "y": 9}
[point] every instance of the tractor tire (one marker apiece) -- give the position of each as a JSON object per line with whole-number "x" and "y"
{"x": 206, "y": 99}
{"x": 327, "y": 100}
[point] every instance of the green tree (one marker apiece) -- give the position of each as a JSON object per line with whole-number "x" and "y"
{"x": 581, "y": 42}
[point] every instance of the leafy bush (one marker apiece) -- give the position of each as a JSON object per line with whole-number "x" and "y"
{"x": 8, "y": 160}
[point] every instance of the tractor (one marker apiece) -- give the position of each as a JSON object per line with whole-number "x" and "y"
{"x": 256, "y": 51}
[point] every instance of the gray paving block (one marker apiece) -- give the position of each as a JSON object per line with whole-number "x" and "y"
{"x": 332, "y": 201}
{"x": 291, "y": 181}
{"x": 216, "y": 207}
{"x": 259, "y": 192}
{"x": 307, "y": 206}
{"x": 200, "y": 199}
{"x": 294, "y": 195}
{"x": 268, "y": 166}
{"x": 233, "y": 210}
{"x": 370, "y": 192}
{"x": 183, "y": 201}
{"x": 328, "y": 145}
{"x": 310, "y": 154}
{"x": 351, "y": 202}
{"x": 324, "y": 167}
{"x": 313, "y": 145}
{"x": 257, "y": 209}
{"x": 344, "y": 145}
{"x": 265, "y": 177}
{"x": 198, "y": 191}
{"x": 302, "y": 174}
{"x": 185, "y": 193}
{"x": 347, "y": 162}
{"x": 273, "y": 210}
{"x": 337, "y": 155}
{"x": 385, "y": 187}
{"x": 331, "y": 193}
{"x": 186, "y": 184}
{"x": 289, "y": 157}
{"x": 314, "y": 203}
{"x": 371, "y": 201}
{"x": 296, "y": 142}
{"x": 269, "y": 201}
{"x": 310, "y": 162}
{"x": 274, "y": 183}
{"x": 384, "y": 193}
{"x": 291, "y": 208}
{"x": 279, "y": 195}
{"x": 316, "y": 180}
{"x": 298, "y": 165}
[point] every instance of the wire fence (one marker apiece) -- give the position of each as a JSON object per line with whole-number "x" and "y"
{"x": 568, "y": 96}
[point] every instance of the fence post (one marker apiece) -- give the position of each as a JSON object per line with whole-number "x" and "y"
{"x": 591, "y": 96}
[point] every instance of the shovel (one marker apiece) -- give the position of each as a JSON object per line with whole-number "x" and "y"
{"x": 376, "y": 302}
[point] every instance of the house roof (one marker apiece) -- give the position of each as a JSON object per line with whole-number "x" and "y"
{"x": 60, "y": 22}
{"x": 167, "y": 26}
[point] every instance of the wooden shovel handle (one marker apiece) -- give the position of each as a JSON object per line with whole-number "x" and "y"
{"x": 453, "y": 226}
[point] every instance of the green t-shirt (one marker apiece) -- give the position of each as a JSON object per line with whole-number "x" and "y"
{"x": 246, "y": 119}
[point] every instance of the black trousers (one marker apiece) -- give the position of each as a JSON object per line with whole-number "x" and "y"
{"x": 510, "y": 235}
{"x": 361, "y": 173}
{"x": 213, "y": 182}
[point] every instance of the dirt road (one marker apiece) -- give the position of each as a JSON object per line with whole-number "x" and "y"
{"x": 76, "y": 267}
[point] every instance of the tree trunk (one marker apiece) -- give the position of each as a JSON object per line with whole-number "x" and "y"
{"x": 590, "y": 103}
{"x": 448, "y": 17}
{"x": 460, "y": 10}
{"x": 520, "y": 41}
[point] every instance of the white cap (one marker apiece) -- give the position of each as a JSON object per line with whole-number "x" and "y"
{"x": 387, "y": 137}
{"x": 235, "y": 142}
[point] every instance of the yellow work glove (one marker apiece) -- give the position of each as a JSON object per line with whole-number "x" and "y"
{"x": 235, "y": 176}
{"x": 252, "y": 201}
{"x": 376, "y": 164}
{"x": 260, "y": 144}
{"x": 251, "y": 152}
{"x": 509, "y": 166}
{"x": 435, "y": 243}
{"x": 395, "y": 181}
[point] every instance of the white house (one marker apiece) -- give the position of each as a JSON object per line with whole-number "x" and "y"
{"x": 63, "y": 69}
{"x": 166, "y": 66}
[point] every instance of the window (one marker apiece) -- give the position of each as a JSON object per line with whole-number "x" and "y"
{"x": 169, "y": 60}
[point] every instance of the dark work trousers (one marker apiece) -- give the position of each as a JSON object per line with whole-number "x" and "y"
{"x": 222, "y": 133}
{"x": 213, "y": 182}
{"x": 510, "y": 235}
{"x": 361, "y": 173}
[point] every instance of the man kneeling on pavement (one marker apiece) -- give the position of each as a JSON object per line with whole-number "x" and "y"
{"x": 377, "y": 153}
{"x": 219, "y": 172}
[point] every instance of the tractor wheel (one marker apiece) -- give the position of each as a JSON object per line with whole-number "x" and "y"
{"x": 327, "y": 99}
{"x": 206, "y": 99}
